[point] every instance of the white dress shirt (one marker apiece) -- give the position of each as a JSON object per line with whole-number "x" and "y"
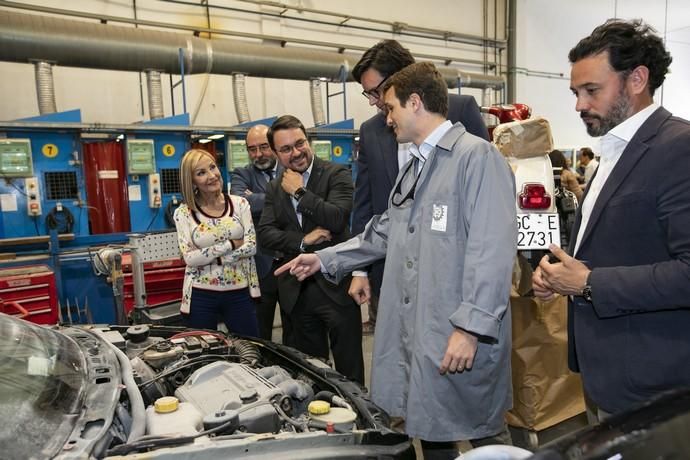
{"x": 403, "y": 154}
{"x": 611, "y": 147}
{"x": 422, "y": 151}
{"x": 305, "y": 179}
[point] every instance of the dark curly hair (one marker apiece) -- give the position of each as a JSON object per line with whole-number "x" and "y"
{"x": 386, "y": 57}
{"x": 629, "y": 44}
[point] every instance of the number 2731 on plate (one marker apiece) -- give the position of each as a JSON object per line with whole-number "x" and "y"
{"x": 538, "y": 231}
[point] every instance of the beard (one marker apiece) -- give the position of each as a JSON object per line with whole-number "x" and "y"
{"x": 615, "y": 116}
{"x": 264, "y": 164}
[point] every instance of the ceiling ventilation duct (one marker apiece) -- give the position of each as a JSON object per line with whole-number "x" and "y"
{"x": 25, "y": 37}
{"x": 239, "y": 91}
{"x": 155, "y": 90}
{"x": 45, "y": 89}
{"x": 316, "y": 102}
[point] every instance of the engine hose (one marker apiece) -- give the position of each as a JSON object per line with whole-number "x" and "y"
{"x": 299, "y": 425}
{"x": 248, "y": 352}
{"x": 333, "y": 399}
{"x": 136, "y": 400}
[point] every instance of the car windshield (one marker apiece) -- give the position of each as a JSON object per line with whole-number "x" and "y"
{"x": 42, "y": 376}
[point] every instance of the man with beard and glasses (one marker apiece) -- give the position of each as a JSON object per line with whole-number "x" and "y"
{"x": 629, "y": 275}
{"x": 308, "y": 208}
{"x": 250, "y": 182}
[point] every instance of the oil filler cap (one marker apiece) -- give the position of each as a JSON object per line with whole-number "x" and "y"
{"x": 166, "y": 404}
{"x": 319, "y": 407}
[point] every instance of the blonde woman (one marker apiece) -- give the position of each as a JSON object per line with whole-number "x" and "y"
{"x": 218, "y": 242}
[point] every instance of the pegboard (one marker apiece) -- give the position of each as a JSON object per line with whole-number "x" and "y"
{"x": 155, "y": 246}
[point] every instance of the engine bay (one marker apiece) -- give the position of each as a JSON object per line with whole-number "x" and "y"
{"x": 204, "y": 388}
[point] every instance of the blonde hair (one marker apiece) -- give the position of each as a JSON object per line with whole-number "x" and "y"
{"x": 189, "y": 161}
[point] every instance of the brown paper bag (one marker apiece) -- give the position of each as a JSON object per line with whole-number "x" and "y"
{"x": 545, "y": 391}
{"x": 524, "y": 139}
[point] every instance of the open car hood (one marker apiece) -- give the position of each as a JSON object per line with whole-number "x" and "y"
{"x": 154, "y": 391}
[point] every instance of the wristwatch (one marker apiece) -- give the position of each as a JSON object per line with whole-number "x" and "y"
{"x": 587, "y": 290}
{"x": 299, "y": 193}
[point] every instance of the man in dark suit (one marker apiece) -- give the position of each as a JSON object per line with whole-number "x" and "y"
{"x": 629, "y": 277}
{"x": 381, "y": 157}
{"x": 250, "y": 182}
{"x": 308, "y": 208}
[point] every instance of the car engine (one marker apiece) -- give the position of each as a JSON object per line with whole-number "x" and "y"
{"x": 259, "y": 399}
{"x": 167, "y": 392}
{"x": 197, "y": 384}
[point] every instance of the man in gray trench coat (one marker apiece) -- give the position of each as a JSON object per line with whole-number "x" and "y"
{"x": 442, "y": 357}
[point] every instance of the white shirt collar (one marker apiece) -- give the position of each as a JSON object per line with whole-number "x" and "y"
{"x": 627, "y": 129}
{"x": 422, "y": 152}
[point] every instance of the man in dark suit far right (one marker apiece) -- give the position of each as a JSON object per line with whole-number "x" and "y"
{"x": 629, "y": 275}
{"x": 381, "y": 157}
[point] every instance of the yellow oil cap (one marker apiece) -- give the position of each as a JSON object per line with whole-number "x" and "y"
{"x": 319, "y": 407}
{"x": 166, "y": 404}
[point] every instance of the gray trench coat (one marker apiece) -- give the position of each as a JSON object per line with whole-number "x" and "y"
{"x": 449, "y": 255}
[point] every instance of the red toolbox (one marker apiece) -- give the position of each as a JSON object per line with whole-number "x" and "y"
{"x": 29, "y": 293}
{"x": 162, "y": 278}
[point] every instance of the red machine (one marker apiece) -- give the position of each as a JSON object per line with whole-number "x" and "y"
{"x": 507, "y": 113}
{"x": 29, "y": 293}
{"x": 163, "y": 280}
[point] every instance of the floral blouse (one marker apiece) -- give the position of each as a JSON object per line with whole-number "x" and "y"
{"x": 205, "y": 244}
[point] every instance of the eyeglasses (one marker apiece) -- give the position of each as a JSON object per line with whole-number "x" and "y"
{"x": 255, "y": 148}
{"x": 374, "y": 92}
{"x": 287, "y": 149}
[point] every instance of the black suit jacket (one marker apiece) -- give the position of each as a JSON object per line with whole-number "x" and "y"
{"x": 256, "y": 181}
{"x": 377, "y": 165}
{"x": 327, "y": 204}
{"x": 633, "y": 341}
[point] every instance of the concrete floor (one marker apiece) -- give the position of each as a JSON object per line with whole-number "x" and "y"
{"x": 521, "y": 437}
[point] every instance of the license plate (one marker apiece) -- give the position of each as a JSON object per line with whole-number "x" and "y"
{"x": 538, "y": 231}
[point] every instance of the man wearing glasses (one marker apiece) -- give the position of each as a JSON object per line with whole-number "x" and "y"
{"x": 442, "y": 351}
{"x": 381, "y": 157}
{"x": 308, "y": 208}
{"x": 251, "y": 182}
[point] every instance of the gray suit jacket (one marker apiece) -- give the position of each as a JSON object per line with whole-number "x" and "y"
{"x": 631, "y": 342}
{"x": 377, "y": 165}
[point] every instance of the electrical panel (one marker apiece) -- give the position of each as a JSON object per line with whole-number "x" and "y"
{"x": 33, "y": 196}
{"x": 237, "y": 154}
{"x": 15, "y": 158}
{"x": 155, "y": 190}
{"x": 141, "y": 157}
{"x": 322, "y": 149}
